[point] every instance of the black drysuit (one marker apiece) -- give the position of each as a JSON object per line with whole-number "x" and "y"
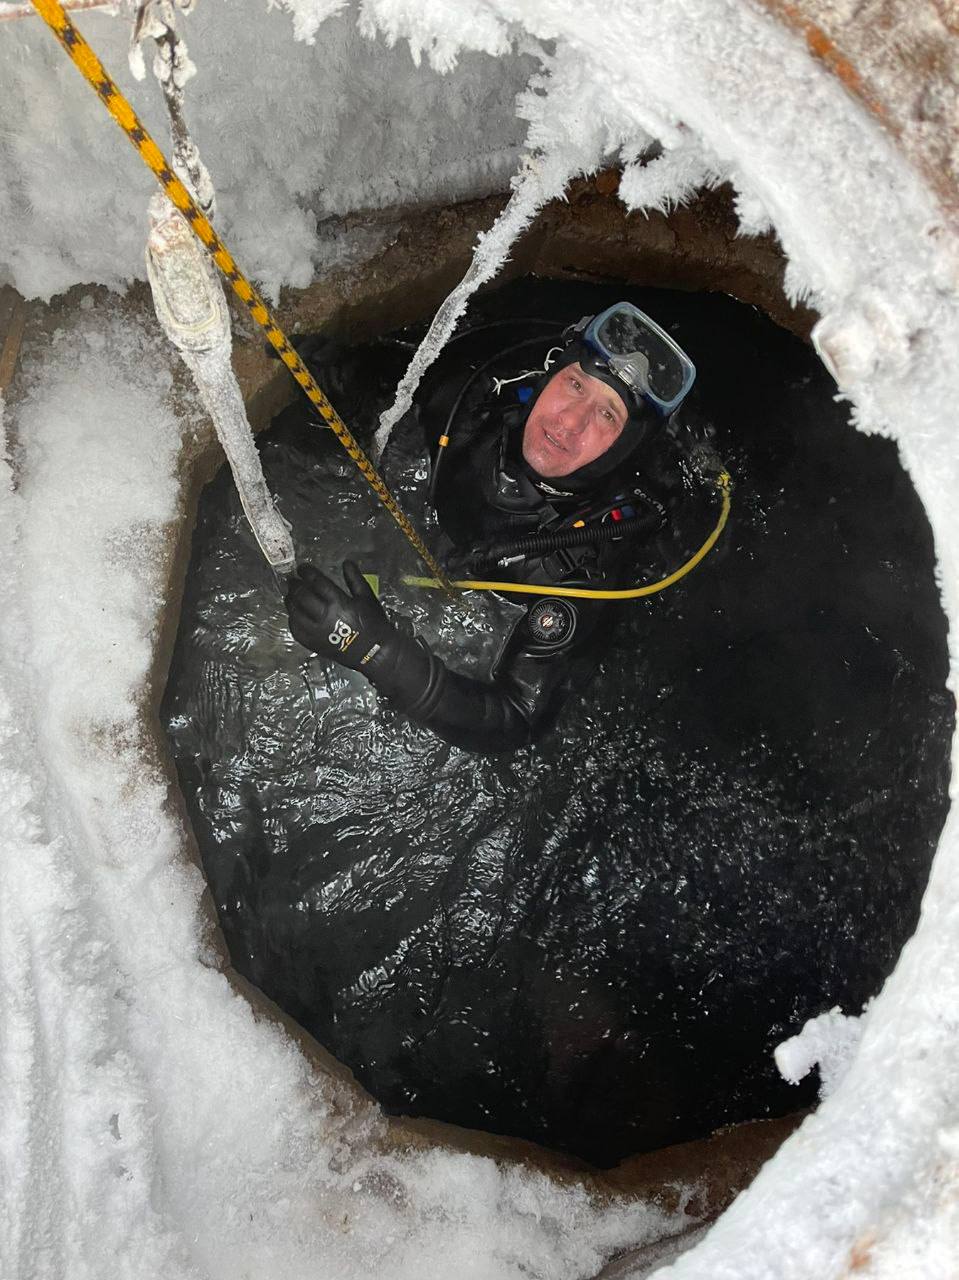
{"x": 485, "y": 493}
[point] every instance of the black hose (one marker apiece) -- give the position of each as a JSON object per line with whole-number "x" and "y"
{"x": 530, "y": 342}
{"x": 537, "y": 544}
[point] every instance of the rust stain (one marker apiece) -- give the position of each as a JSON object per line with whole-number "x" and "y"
{"x": 13, "y": 318}
{"x": 861, "y": 1253}
{"x": 911, "y": 68}
{"x": 948, "y": 14}
{"x": 823, "y": 47}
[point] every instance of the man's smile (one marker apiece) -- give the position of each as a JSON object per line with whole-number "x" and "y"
{"x": 554, "y": 442}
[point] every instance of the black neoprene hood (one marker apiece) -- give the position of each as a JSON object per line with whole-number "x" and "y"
{"x": 641, "y": 421}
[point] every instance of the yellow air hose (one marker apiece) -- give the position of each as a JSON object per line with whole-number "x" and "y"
{"x": 723, "y": 484}
{"x": 119, "y": 108}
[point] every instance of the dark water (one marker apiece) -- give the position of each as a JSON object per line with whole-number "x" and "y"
{"x": 597, "y": 942}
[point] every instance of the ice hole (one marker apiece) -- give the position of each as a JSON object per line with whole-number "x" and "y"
{"x": 597, "y": 944}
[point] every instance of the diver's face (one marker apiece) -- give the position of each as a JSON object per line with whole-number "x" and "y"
{"x": 573, "y": 422}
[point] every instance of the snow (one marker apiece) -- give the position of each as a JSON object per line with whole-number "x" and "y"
{"x": 152, "y": 1124}
{"x": 289, "y": 131}
{"x": 828, "y": 1042}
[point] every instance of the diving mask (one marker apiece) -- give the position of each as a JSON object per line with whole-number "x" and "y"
{"x": 640, "y": 354}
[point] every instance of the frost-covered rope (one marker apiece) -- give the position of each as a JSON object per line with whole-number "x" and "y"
{"x": 173, "y": 68}
{"x": 543, "y": 178}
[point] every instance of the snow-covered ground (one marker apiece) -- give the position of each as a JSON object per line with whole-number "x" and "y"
{"x": 150, "y": 1124}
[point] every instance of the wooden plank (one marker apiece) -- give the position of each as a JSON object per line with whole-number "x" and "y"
{"x": 13, "y": 317}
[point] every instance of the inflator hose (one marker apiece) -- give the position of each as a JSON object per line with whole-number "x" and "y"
{"x": 537, "y": 544}
{"x": 445, "y": 436}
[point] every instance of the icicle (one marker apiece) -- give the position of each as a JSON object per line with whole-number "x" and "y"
{"x": 190, "y": 306}
{"x": 172, "y": 67}
{"x": 543, "y": 178}
{"x": 187, "y": 293}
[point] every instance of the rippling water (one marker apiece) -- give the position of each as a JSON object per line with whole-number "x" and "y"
{"x": 597, "y": 941}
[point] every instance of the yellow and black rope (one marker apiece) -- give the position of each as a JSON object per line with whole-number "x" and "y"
{"x": 121, "y": 111}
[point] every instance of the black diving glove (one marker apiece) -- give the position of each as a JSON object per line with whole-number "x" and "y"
{"x": 348, "y": 626}
{"x": 352, "y": 628}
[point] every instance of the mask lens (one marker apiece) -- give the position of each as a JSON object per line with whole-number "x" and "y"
{"x": 642, "y": 354}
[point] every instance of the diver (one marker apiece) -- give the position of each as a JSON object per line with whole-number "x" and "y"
{"x": 558, "y": 482}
